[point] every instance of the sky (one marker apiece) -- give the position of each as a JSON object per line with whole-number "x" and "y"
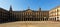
{"x": 19, "y": 5}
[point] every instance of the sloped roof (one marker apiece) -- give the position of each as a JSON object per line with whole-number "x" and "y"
{"x": 3, "y": 9}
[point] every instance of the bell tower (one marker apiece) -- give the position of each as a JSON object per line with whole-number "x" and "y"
{"x": 28, "y": 7}
{"x": 10, "y": 8}
{"x": 39, "y": 9}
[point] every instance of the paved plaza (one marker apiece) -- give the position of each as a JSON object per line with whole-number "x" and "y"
{"x": 31, "y": 24}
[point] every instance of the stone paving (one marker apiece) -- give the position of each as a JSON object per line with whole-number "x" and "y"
{"x": 31, "y": 24}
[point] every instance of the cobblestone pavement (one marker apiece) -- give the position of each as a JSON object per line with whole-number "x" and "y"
{"x": 31, "y": 24}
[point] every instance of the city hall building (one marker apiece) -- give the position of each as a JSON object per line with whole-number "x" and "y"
{"x": 30, "y": 15}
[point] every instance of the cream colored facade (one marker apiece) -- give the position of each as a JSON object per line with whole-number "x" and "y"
{"x": 54, "y": 14}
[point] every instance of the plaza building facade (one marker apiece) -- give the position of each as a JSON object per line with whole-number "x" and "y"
{"x": 30, "y": 15}
{"x": 25, "y": 15}
{"x": 4, "y": 15}
{"x": 54, "y": 14}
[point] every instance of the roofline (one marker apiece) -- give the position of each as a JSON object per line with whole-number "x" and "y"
{"x": 55, "y": 7}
